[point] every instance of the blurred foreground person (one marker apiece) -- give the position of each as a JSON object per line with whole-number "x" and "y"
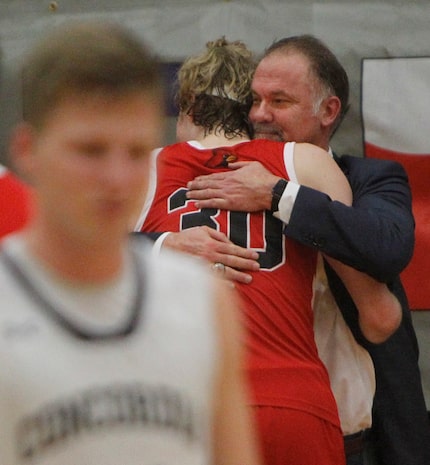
{"x": 109, "y": 355}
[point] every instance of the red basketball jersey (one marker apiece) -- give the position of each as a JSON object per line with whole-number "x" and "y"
{"x": 282, "y": 359}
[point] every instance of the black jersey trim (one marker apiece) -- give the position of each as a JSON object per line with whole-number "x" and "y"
{"x": 45, "y": 305}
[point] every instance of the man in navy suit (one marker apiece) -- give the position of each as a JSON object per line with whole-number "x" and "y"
{"x": 301, "y": 93}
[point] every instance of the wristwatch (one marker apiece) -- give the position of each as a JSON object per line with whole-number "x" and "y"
{"x": 277, "y": 191}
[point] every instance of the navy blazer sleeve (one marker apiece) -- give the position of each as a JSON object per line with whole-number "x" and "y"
{"x": 376, "y": 234}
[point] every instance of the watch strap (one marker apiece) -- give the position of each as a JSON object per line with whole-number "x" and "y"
{"x": 277, "y": 191}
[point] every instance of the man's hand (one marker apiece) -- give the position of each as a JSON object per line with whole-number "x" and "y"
{"x": 215, "y": 247}
{"x": 247, "y": 187}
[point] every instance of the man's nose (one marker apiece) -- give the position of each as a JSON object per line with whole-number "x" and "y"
{"x": 260, "y": 113}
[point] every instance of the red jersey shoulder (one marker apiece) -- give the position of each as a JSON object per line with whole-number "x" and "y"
{"x": 14, "y": 202}
{"x": 212, "y": 158}
{"x": 270, "y": 153}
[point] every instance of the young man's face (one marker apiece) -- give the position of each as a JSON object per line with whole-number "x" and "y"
{"x": 284, "y": 99}
{"x": 89, "y": 163}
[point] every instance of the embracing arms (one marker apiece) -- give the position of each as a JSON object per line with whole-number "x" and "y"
{"x": 360, "y": 234}
{"x": 374, "y": 235}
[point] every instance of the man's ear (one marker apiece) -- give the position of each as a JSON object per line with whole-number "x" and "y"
{"x": 330, "y": 109}
{"x": 21, "y": 150}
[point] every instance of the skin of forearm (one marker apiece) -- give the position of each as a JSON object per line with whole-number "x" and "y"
{"x": 379, "y": 310}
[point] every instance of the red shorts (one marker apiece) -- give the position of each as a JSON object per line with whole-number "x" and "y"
{"x": 289, "y": 436}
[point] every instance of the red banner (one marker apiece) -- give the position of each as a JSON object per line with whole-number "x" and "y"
{"x": 396, "y": 114}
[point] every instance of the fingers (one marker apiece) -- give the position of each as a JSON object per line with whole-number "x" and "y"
{"x": 219, "y": 204}
{"x": 239, "y": 263}
{"x": 210, "y": 180}
{"x": 234, "y": 267}
{"x": 238, "y": 276}
{"x": 234, "y": 256}
{"x": 206, "y": 188}
{"x": 217, "y": 235}
{"x": 207, "y": 181}
{"x": 210, "y": 198}
{"x": 233, "y": 261}
{"x": 202, "y": 194}
{"x": 230, "y": 274}
{"x": 238, "y": 257}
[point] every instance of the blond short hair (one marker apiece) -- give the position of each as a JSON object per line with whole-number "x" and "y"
{"x": 215, "y": 86}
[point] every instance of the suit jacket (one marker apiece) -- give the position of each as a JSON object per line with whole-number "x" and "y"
{"x": 376, "y": 236}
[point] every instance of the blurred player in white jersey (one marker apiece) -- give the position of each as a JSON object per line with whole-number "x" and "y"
{"x": 109, "y": 354}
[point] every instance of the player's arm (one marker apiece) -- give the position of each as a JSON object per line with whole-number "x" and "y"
{"x": 315, "y": 168}
{"x": 234, "y": 437}
{"x": 379, "y": 310}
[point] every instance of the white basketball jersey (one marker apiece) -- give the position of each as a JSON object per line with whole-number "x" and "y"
{"x": 75, "y": 394}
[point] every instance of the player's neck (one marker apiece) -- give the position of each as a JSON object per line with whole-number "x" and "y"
{"x": 218, "y": 139}
{"x": 77, "y": 261}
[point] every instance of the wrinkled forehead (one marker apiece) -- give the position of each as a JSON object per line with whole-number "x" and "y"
{"x": 283, "y": 72}
{"x": 283, "y": 62}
